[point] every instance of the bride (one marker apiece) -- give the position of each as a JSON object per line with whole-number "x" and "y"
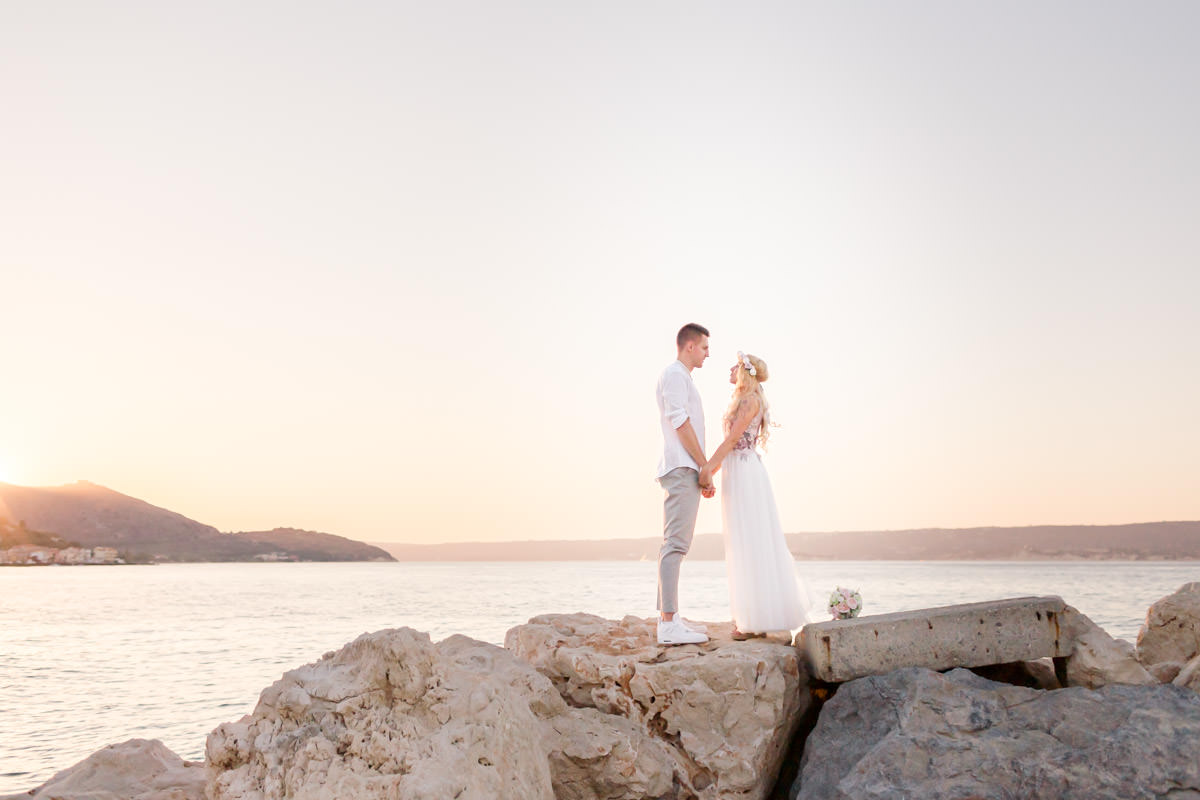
{"x": 764, "y": 592}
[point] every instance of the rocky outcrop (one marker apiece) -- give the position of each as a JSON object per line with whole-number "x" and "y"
{"x": 394, "y": 715}
{"x": 577, "y": 707}
{"x": 1098, "y": 659}
{"x": 918, "y": 733}
{"x": 389, "y": 715}
{"x": 1171, "y": 631}
{"x": 138, "y": 769}
{"x": 719, "y": 715}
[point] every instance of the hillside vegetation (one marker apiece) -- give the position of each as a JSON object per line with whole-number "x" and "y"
{"x": 13, "y": 534}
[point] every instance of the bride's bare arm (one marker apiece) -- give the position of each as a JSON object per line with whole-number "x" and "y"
{"x": 746, "y": 414}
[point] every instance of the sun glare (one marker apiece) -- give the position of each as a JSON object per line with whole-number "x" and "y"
{"x": 6, "y": 471}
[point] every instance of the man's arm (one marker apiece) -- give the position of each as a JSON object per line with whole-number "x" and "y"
{"x": 675, "y": 392}
{"x": 687, "y": 437}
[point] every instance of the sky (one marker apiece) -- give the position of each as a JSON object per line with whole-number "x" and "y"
{"x": 409, "y": 271}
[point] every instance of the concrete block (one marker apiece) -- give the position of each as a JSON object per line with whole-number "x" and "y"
{"x": 966, "y": 635}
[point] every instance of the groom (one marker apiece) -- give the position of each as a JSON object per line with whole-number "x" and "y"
{"x": 682, "y": 420}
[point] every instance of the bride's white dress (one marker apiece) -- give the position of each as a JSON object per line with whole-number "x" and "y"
{"x": 764, "y": 592}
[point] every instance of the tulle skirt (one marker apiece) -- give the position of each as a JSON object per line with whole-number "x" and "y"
{"x": 764, "y": 592}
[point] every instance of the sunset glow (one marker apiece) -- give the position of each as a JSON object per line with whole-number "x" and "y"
{"x": 420, "y": 288}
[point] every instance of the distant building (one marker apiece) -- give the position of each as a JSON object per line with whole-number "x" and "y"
{"x": 104, "y": 555}
{"x": 72, "y": 555}
{"x": 275, "y": 557}
{"x": 31, "y": 554}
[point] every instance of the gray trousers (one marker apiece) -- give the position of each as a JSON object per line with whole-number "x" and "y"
{"x": 682, "y": 486}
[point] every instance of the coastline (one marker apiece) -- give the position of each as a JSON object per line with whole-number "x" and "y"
{"x": 171, "y": 652}
{"x": 578, "y": 706}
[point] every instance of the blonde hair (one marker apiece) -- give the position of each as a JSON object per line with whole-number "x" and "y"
{"x": 747, "y": 385}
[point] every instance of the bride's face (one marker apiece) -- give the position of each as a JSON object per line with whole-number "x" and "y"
{"x": 733, "y": 374}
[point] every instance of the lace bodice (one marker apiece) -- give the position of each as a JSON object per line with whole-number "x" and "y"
{"x": 749, "y": 436}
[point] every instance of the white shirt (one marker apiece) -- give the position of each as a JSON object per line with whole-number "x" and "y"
{"x": 678, "y": 401}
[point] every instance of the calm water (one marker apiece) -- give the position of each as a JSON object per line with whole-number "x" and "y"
{"x": 95, "y": 655}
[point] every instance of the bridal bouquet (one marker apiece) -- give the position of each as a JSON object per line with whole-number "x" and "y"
{"x": 845, "y": 603}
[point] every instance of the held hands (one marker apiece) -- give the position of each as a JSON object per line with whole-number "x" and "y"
{"x": 706, "y": 482}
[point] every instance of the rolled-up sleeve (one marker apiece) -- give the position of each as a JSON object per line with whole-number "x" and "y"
{"x": 675, "y": 395}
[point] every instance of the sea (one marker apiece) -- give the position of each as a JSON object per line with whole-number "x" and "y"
{"x": 91, "y": 656}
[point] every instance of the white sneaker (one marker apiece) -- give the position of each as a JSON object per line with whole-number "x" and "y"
{"x": 675, "y": 632}
{"x": 698, "y": 627}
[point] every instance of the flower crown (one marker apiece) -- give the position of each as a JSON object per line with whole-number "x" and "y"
{"x": 745, "y": 359}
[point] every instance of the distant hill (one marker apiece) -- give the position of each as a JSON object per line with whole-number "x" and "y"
{"x": 1138, "y": 541}
{"x": 315, "y": 546}
{"x": 93, "y": 515}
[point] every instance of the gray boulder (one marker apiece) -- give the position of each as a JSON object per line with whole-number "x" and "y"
{"x": 918, "y": 733}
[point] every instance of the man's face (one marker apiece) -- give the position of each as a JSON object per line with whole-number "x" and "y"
{"x": 697, "y": 351}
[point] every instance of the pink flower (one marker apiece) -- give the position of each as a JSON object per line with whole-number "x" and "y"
{"x": 852, "y": 603}
{"x": 842, "y": 608}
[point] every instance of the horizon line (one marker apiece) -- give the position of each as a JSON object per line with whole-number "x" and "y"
{"x": 797, "y": 533}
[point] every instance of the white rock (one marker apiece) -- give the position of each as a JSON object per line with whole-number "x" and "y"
{"x": 1099, "y": 659}
{"x": 1171, "y": 631}
{"x": 1189, "y": 676}
{"x": 719, "y": 715}
{"x": 388, "y": 716}
{"x": 596, "y": 755}
{"x": 138, "y": 769}
{"x": 591, "y": 755}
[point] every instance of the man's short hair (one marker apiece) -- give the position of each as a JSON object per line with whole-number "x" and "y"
{"x": 690, "y": 333}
